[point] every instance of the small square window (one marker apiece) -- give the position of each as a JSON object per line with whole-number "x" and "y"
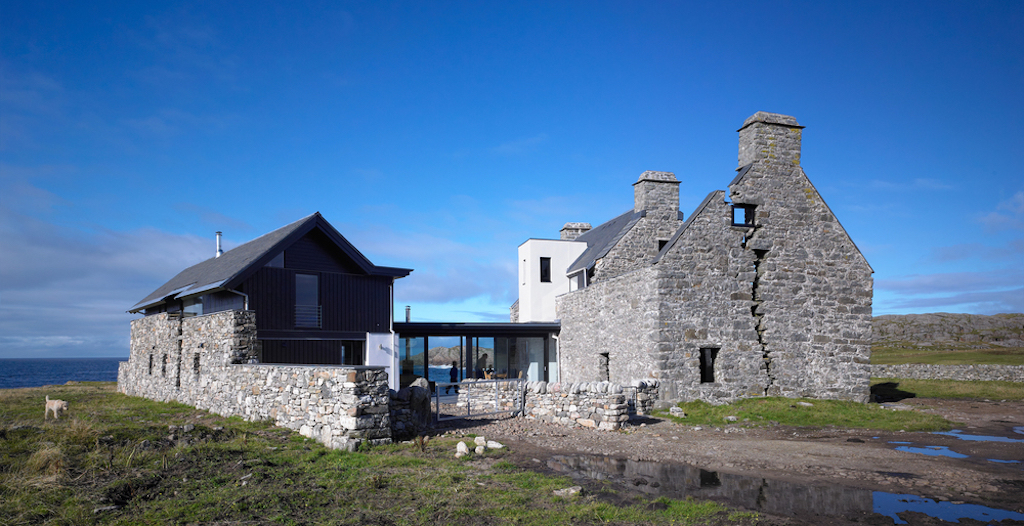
{"x": 743, "y": 215}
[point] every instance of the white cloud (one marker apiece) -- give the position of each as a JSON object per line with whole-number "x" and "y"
{"x": 520, "y": 146}
{"x": 1009, "y": 215}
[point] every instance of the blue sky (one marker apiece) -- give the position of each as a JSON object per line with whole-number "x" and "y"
{"x": 440, "y": 136}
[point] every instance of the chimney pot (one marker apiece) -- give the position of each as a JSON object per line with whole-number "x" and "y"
{"x": 219, "y": 251}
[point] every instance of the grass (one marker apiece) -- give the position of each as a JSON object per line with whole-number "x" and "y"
{"x": 821, "y": 413}
{"x": 901, "y": 388}
{"x": 945, "y": 353}
{"x": 112, "y": 450}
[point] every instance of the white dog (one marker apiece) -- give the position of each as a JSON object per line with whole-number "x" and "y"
{"x": 57, "y": 406}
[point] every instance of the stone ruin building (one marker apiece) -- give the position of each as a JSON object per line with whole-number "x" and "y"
{"x": 760, "y": 291}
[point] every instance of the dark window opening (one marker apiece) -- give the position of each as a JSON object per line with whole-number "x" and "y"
{"x": 545, "y": 270}
{"x": 151, "y": 365}
{"x": 195, "y": 363}
{"x": 707, "y": 365}
{"x": 307, "y": 300}
{"x": 743, "y": 215}
{"x": 661, "y": 244}
{"x": 352, "y": 352}
{"x": 602, "y": 367}
{"x": 163, "y": 366}
{"x": 277, "y": 262}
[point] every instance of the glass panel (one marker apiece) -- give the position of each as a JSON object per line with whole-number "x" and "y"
{"x": 277, "y": 262}
{"x": 443, "y": 351}
{"x": 410, "y": 350}
{"x": 553, "y": 361}
{"x": 193, "y": 307}
{"x": 307, "y": 290}
{"x": 534, "y": 349}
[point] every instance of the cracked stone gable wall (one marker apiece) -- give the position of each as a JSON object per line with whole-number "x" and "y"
{"x": 813, "y": 290}
{"x": 202, "y": 361}
{"x": 704, "y": 284}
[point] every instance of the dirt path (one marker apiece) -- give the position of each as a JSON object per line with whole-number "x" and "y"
{"x": 808, "y": 458}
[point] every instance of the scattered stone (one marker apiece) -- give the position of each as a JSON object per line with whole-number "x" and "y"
{"x": 568, "y": 492}
{"x": 105, "y": 508}
{"x": 805, "y": 404}
{"x": 677, "y": 412}
{"x": 480, "y": 450}
{"x": 461, "y": 450}
{"x": 491, "y": 444}
{"x": 731, "y": 418}
{"x": 480, "y": 441}
{"x": 187, "y": 428}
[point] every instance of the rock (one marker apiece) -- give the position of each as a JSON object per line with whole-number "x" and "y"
{"x": 480, "y": 450}
{"x": 461, "y": 450}
{"x": 491, "y": 444}
{"x": 480, "y": 441}
{"x": 805, "y": 404}
{"x": 731, "y": 419}
{"x": 677, "y": 412}
{"x": 568, "y": 492}
{"x": 188, "y": 428}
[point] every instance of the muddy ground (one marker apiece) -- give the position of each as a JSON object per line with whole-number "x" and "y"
{"x": 811, "y": 463}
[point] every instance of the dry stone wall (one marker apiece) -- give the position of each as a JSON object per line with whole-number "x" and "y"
{"x": 968, "y": 373}
{"x": 202, "y": 361}
{"x": 599, "y": 405}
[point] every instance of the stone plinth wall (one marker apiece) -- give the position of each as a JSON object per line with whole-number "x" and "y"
{"x": 598, "y": 405}
{"x": 984, "y": 372}
{"x": 196, "y": 361}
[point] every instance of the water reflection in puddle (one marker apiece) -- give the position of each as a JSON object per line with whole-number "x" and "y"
{"x": 764, "y": 495}
{"x": 890, "y": 504}
{"x": 979, "y": 438}
{"x": 932, "y": 451}
{"x": 1019, "y": 429}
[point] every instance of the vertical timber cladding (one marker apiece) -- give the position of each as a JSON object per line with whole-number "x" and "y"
{"x": 813, "y": 287}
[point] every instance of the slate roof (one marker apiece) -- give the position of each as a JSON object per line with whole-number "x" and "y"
{"x": 237, "y": 264}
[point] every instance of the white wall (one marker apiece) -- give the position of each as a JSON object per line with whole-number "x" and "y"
{"x": 537, "y": 299}
{"x": 382, "y": 350}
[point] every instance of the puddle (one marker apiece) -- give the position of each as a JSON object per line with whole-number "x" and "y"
{"x": 776, "y": 497}
{"x": 1019, "y": 429}
{"x": 901, "y": 442}
{"x": 980, "y": 438}
{"x": 933, "y": 451}
{"x": 1004, "y": 461}
{"x": 889, "y": 504}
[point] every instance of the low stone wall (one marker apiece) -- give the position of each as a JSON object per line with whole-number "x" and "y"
{"x": 195, "y": 361}
{"x": 983, "y": 372}
{"x": 599, "y": 405}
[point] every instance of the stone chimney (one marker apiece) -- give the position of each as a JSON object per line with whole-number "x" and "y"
{"x": 656, "y": 191}
{"x": 770, "y": 139}
{"x": 572, "y": 231}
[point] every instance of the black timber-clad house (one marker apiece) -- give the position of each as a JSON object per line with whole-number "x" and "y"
{"x": 316, "y": 297}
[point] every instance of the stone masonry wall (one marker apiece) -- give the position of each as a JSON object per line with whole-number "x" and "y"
{"x": 656, "y": 193}
{"x": 200, "y": 361}
{"x": 968, "y": 373}
{"x": 617, "y": 317}
{"x": 600, "y": 405}
{"x": 813, "y": 288}
{"x": 705, "y": 291}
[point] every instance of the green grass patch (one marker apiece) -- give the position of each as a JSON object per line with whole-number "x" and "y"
{"x": 900, "y": 388}
{"x": 112, "y": 450}
{"x": 821, "y": 413}
{"x": 945, "y": 353}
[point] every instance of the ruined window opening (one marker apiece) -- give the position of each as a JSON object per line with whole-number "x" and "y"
{"x": 545, "y": 270}
{"x": 195, "y": 363}
{"x": 151, "y": 365}
{"x": 707, "y": 365}
{"x": 163, "y": 366}
{"x": 602, "y": 367}
{"x": 661, "y": 244}
{"x": 743, "y": 215}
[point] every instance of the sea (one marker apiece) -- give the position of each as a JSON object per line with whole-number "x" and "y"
{"x": 36, "y": 372}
